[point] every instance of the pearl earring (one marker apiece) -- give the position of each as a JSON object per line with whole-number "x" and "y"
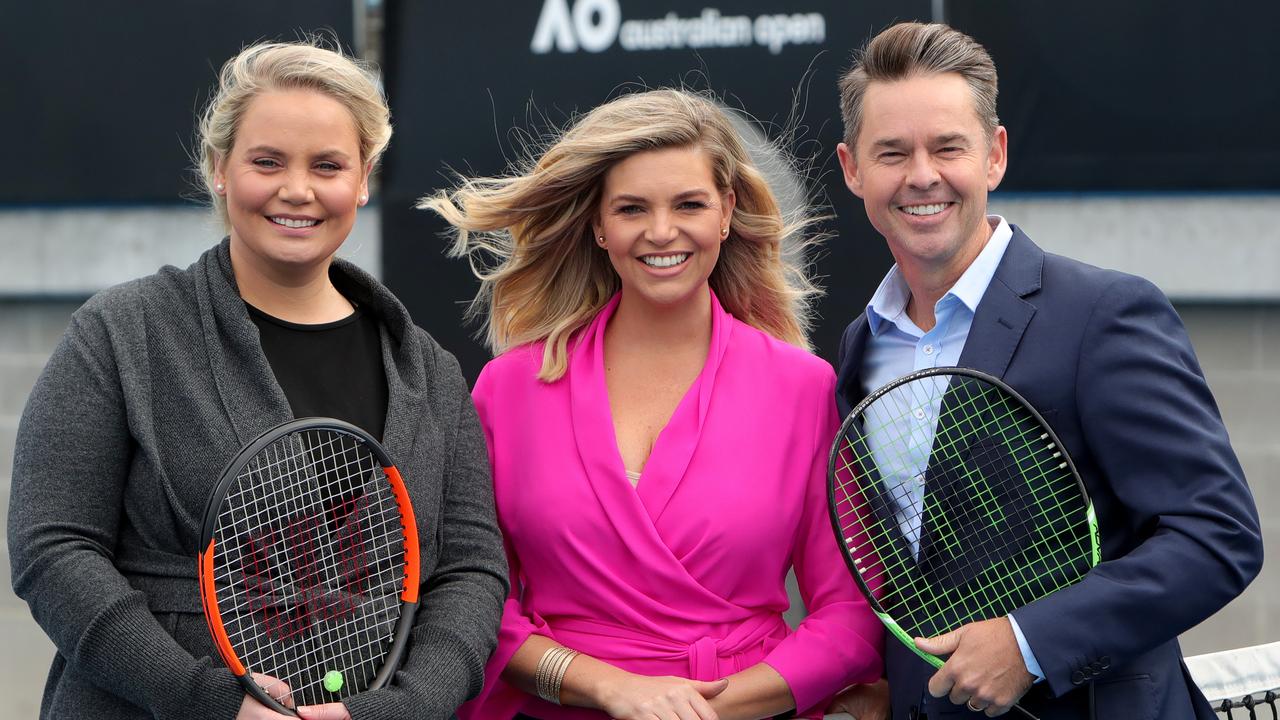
{"x": 601, "y": 241}
{"x": 364, "y": 198}
{"x": 218, "y": 187}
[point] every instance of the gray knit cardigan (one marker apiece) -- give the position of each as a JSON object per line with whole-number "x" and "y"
{"x": 153, "y": 388}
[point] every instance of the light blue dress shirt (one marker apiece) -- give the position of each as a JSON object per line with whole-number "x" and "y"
{"x": 897, "y": 347}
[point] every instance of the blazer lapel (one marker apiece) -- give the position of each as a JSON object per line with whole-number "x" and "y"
{"x": 1003, "y": 315}
{"x": 849, "y": 382}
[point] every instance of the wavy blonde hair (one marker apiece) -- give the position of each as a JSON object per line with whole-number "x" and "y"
{"x": 528, "y": 236}
{"x": 306, "y": 65}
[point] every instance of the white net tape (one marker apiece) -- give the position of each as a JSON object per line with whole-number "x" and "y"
{"x": 1236, "y": 674}
{"x": 1230, "y": 675}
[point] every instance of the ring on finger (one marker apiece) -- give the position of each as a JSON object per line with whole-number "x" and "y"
{"x": 969, "y": 704}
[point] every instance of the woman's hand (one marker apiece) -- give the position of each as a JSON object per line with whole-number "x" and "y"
{"x": 642, "y": 697}
{"x": 863, "y": 702}
{"x": 251, "y": 709}
{"x": 328, "y": 711}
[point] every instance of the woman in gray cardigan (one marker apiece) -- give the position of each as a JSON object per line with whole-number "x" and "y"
{"x": 158, "y": 382}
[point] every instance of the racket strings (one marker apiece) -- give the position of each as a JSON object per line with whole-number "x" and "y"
{"x": 311, "y": 564}
{"x": 989, "y": 556}
{"x": 1026, "y": 535}
{"x": 934, "y": 608}
{"x": 1016, "y": 527}
{"x": 849, "y": 467}
{"x": 295, "y": 669}
{"x": 929, "y": 509}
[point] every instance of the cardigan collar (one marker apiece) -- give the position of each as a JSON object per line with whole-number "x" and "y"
{"x": 253, "y": 400}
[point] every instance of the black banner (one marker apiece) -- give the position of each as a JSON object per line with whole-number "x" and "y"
{"x": 1140, "y": 95}
{"x": 470, "y": 82}
{"x": 99, "y": 99}
{"x": 1098, "y": 96}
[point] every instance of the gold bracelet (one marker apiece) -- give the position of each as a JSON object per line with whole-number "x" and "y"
{"x": 560, "y": 674}
{"x": 555, "y": 674}
{"x": 542, "y": 676}
{"x": 550, "y": 672}
{"x": 561, "y": 668}
{"x": 539, "y": 677}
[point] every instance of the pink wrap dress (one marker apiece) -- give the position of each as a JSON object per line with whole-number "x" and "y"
{"x": 683, "y": 573}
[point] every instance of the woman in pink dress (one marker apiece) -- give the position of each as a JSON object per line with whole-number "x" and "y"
{"x": 657, "y": 428}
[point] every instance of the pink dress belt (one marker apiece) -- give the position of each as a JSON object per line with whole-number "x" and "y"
{"x": 610, "y": 642}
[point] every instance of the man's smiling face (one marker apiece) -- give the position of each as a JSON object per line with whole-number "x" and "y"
{"x": 923, "y": 165}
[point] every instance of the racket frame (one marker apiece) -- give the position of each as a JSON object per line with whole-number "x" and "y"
{"x": 838, "y": 444}
{"x": 205, "y": 570}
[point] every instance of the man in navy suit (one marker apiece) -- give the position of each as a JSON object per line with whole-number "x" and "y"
{"x": 1101, "y": 354}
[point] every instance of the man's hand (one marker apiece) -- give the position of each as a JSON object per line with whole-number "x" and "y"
{"x": 985, "y": 670}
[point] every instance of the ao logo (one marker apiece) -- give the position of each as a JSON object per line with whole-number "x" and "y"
{"x": 592, "y": 25}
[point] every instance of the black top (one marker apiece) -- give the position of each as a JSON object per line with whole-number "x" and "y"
{"x": 330, "y": 369}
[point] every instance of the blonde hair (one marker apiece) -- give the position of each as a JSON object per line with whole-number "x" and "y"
{"x": 306, "y": 65}
{"x": 528, "y": 236}
{"x": 909, "y": 49}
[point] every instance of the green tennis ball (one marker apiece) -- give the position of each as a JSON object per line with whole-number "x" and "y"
{"x": 333, "y": 681}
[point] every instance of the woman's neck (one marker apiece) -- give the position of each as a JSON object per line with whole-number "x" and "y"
{"x": 657, "y": 328}
{"x": 305, "y": 296}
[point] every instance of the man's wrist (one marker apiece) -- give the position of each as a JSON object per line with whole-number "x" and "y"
{"x": 1028, "y": 657}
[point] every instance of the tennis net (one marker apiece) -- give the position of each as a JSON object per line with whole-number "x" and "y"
{"x": 1241, "y": 684}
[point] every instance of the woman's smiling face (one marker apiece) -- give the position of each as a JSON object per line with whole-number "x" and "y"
{"x": 663, "y": 219}
{"x": 293, "y": 179}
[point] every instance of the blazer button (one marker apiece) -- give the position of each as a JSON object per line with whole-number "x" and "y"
{"x": 1105, "y": 662}
{"x": 1077, "y": 678}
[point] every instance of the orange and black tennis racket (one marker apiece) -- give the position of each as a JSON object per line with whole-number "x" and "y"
{"x": 309, "y": 568}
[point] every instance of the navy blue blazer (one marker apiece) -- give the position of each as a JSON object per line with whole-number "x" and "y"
{"x": 1104, "y": 357}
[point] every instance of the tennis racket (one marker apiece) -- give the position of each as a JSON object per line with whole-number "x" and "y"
{"x": 309, "y": 572}
{"x": 955, "y": 502}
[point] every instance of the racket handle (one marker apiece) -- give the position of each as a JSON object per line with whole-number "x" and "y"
{"x": 1025, "y": 713}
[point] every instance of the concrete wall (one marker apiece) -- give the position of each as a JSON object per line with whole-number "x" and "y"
{"x": 74, "y": 252}
{"x": 1239, "y": 348}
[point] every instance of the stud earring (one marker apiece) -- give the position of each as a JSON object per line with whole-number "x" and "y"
{"x": 724, "y": 231}
{"x": 600, "y": 241}
{"x": 364, "y": 199}
{"x": 218, "y": 187}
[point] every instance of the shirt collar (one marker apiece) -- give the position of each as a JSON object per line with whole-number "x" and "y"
{"x": 889, "y": 302}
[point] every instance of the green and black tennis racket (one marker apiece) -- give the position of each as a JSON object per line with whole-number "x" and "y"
{"x": 309, "y": 564}
{"x": 955, "y": 502}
